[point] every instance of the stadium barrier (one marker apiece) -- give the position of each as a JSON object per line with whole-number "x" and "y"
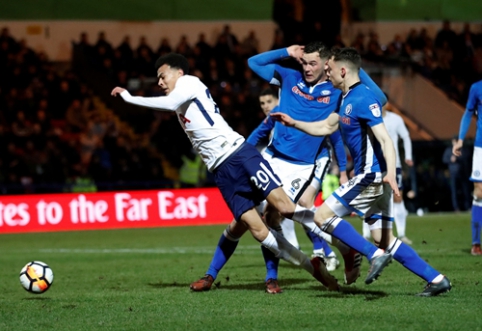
{"x": 112, "y": 210}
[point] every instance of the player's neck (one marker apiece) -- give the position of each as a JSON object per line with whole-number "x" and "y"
{"x": 349, "y": 83}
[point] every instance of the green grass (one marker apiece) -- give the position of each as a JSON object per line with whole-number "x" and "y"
{"x": 139, "y": 280}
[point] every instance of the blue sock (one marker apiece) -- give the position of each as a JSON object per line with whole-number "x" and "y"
{"x": 317, "y": 241}
{"x": 271, "y": 262}
{"x": 326, "y": 247}
{"x": 223, "y": 252}
{"x": 407, "y": 256}
{"x": 476, "y": 223}
{"x": 345, "y": 232}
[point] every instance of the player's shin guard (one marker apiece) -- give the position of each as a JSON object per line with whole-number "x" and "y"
{"x": 407, "y": 256}
{"x": 345, "y": 232}
{"x": 289, "y": 233}
{"x": 282, "y": 249}
{"x": 226, "y": 246}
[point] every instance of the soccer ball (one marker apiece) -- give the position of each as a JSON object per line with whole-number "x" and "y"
{"x": 36, "y": 277}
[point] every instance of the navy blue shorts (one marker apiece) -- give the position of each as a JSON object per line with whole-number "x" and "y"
{"x": 245, "y": 179}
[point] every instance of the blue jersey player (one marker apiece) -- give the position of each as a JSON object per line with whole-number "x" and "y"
{"x": 308, "y": 95}
{"x": 474, "y": 105}
{"x": 369, "y": 193}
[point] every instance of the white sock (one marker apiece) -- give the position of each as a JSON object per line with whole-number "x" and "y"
{"x": 393, "y": 246}
{"x": 284, "y": 250}
{"x": 305, "y": 217}
{"x": 400, "y": 215}
{"x": 366, "y": 230}
{"x": 438, "y": 279}
{"x": 289, "y": 232}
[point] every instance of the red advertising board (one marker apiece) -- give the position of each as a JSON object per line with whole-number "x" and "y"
{"x": 112, "y": 210}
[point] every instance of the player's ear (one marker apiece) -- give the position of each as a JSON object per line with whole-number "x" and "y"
{"x": 343, "y": 72}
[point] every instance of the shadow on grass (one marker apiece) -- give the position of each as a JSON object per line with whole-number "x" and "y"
{"x": 37, "y": 298}
{"x": 224, "y": 284}
{"x": 285, "y": 284}
{"x": 349, "y": 291}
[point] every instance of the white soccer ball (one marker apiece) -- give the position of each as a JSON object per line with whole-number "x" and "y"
{"x": 36, "y": 277}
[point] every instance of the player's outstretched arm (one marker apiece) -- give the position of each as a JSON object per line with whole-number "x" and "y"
{"x": 380, "y": 132}
{"x": 171, "y": 102}
{"x": 320, "y": 128}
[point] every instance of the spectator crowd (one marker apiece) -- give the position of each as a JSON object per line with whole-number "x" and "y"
{"x": 55, "y": 129}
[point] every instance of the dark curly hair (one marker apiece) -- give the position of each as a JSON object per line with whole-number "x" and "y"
{"x": 173, "y": 60}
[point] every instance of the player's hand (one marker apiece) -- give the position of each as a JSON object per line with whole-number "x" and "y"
{"x": 117, "y": 90}
{"x": 343, "y": 177}
{"x": 409, "y": 163}
{"x": 283, "y": 118}
{"x": 393, "y": 184}
{"x": 457, "y": 149}
{"x": 296, "y": 52}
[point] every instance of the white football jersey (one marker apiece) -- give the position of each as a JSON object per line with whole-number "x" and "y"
{"x": 396, "y": 129}
{"x": 199, "y": 116}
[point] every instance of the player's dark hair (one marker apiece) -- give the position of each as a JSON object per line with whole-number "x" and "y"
{"x": 173, "y": 60}
{"x": 269, "y": 91}
{"x": 347, "y": 54}
{"x": 318, "y": 46}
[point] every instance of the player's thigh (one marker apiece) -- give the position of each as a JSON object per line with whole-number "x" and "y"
{"x": 278, "y": 199}
{"x": 478, "y": 190}
{"x": 308, "y": 197}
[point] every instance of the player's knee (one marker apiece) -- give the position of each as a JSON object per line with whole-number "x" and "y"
{"x": 329, "y": 224}
{"x": 478, "y": 193}
{"x": 305, "y": 202}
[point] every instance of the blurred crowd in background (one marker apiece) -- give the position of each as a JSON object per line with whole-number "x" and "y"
{"x": 59, "y": 134}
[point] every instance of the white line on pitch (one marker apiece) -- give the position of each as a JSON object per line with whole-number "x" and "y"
{"x": 170, "y": 250}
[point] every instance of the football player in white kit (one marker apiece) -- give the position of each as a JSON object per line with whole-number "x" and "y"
{"x": 396, "y": 129}
{"x": 242, "y": 175}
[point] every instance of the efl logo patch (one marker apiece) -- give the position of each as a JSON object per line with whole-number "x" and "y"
{"x": 375, "y": 110}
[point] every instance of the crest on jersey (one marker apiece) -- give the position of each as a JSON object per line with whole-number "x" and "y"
{"x": 325, "y": 92}
{"x": 348, "y": 109}
{"x": 375, "y": 108}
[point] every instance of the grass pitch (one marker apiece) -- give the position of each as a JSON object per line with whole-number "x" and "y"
{"x": 139, "y": 280}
